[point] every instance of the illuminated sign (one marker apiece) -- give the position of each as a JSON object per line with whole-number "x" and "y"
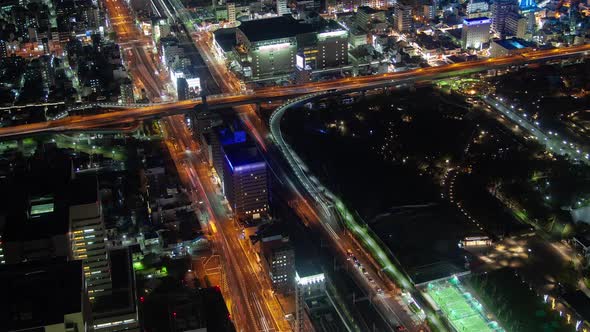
{"x": 300, "y": 61}
{"x": 274, "y": 46}
{"x": 338, "y": 33}
{"x": 317, "y": 278}
{"x": 477, "y": 21}
{"x": 194, "y": 83}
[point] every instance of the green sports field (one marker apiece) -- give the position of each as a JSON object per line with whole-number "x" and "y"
{"x": 461, "y": 309}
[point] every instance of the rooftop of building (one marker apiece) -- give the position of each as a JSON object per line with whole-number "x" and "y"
{"x": 40, "y": 293}
{"x": 242, "y": 154}
{"x": 477, "y": 21}
{"x": 368, "y": 10}
{"x": 226, "y": 38}
{"x": 274, "y": 28}
{"x": 307, "y": 267}
{"x": 83, "y": 190}
{"x": 514, "y": 43}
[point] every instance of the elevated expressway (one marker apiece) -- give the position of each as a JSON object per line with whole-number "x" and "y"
{"x": 350, "y": 84}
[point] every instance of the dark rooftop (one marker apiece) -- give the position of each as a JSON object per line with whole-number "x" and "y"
{"x": 274, "y": 28}
{"x": 307, "y": 267}
{"x": 226, "y": 38}
{"x": 242, "y": 154}
{"x": 40, "y": 293}
{"x": 84, "y": 190}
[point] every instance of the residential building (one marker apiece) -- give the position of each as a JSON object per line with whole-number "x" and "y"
{"x": 403, "y": 16}
{"x": 478, "y": 8}
{"x": 231, "y": 12}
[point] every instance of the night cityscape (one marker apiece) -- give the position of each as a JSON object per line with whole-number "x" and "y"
{"x": 295, "y": 165}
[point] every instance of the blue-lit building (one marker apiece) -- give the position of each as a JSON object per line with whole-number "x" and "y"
{"x": 503, "y": 47}
{"x": 222, "y": 137}
{"x": 245, "y": 181}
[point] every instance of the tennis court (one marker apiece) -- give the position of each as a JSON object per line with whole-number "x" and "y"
{"x": 463, "y": 311}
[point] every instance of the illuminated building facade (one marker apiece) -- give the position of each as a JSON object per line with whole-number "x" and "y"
{"x": 87, "y": 236}
{"x": 245, "y": 181}
{"x": 403, "y": 16}
{"x": 310, "y": 283}
{"x": 274, "y": 47}
{"x": 476, "y": 32}
{"x": 278, "y": 258}
{"x": 270, "y": 45}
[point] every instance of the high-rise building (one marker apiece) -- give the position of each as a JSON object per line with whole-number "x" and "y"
{"x": 282, "y": 8}
{"x": 403, "y": 16}
{"x": 87, "y": 235}
{"x": 501, "y": 10}
{"x": 278, "y": 257}
{"x": 245, "y": 181}
{"x": 221, "y": 138}
{"x": 310, "y": 282}
{"x": 231, "y": 12}
{"x": 476, "y": 32}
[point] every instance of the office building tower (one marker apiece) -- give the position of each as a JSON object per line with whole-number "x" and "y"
{"x": 245, "y": 181}
{"x": 44, "y": 296}
{"x": 282, "y": 8}
{"x": 403, "y": 16}
{"x": 87, "y": 234}
{"x": 231, "y": 12}
{"x": 501, "y": 10}
{"x": 475, "y": 33}
{"x": 310, "y": 283}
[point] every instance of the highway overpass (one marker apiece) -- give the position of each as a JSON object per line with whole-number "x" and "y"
{"x": 344, "y": 85}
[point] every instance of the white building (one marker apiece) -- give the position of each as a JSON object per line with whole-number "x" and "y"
{"x": 282, "y": 8}
{"x": 476, "y": 32}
